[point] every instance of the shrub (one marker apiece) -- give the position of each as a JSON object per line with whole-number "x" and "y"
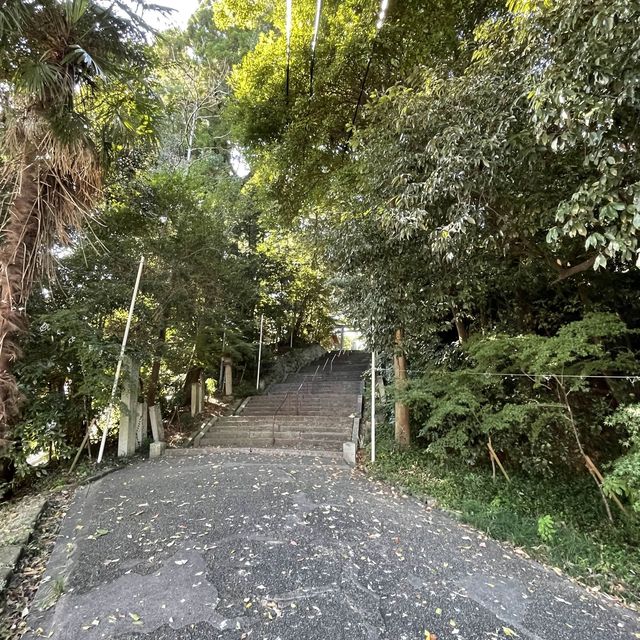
{"x": 533, "y": 398}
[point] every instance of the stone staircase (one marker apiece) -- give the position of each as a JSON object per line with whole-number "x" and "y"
{"x": 314, "y": 408}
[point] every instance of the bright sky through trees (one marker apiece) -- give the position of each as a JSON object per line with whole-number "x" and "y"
{"x": 183, "y": 9}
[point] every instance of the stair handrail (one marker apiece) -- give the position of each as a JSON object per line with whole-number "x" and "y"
{"x": 275, "y": 415}
{"x": 298, "y": 398}
{"x": 332, "y": 359}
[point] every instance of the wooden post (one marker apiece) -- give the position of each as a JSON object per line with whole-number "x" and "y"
{"x": 403, "y": 432}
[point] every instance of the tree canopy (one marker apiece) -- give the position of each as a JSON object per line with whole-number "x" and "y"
{"x": 459, "y": 180}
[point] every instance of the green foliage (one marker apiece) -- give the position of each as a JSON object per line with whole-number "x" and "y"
{"x": 546, "y": 528}
{"x": 526, "y": 393}
{"x": 624, "y": 478}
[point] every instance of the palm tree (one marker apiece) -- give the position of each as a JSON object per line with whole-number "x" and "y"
{"x": 70, "y": 81}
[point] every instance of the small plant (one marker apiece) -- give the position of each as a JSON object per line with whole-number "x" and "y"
{"x": 546, "y": 528}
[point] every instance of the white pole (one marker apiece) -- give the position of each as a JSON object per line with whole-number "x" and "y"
{"x": 116, "y": 379}
{"x": 224, "y": 344}
{"x": 260, "y": 352}
{"x": 373, "y": 406}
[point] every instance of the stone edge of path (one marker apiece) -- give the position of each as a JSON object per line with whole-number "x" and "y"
{"x": 19, "y": 536}
{"x": 15, "y": 538}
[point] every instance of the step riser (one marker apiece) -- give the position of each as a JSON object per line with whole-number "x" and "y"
{"x": 276, "y": 445}
{"x": 241, "y": 419}
{"x": 285, "y": 435}
{"x": 315, "y": 389}
{"x": 320, "y": 413}
{"x": 324, "y": 375}
{"x": 285, "y": 428}
{"x": 263, "y": 433}
{"x": 292, "y": 424}
{"x": 328, "y": 398}
{"x": 346, "y": 400}
{"x": 313, "y": 406}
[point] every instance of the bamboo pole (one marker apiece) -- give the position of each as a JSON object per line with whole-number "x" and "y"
{"x": 116, "y": 378}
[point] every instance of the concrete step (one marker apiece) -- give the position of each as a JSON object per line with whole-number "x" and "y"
{"x": 242, "y": 419}
{"x": 346, "y": 386}
{"x": 288, "y": 432}
{"x": 309, "y": 378}
{"x": 308, "y": 423}
{"x": 344, "y": 405}
{"x": 282, "y": 406}
{"x": 319, "y": 368}
{"x": 278, "y": 444}
{"x": 305, "y": 413}
{"x": 278, "y": 428}
{"x": 277, "y": 398}
{"x": 280, "y": 440}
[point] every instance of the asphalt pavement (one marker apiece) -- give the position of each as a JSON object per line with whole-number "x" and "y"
{"x": 290, "y": 546}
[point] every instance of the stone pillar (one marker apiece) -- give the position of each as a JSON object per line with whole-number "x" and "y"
{"x": 128, "y": 408}
{"x": 157, "y": 429}
{"x": 194, "y": 398}
{"x": 228, "y": 377}
{"x": 202, "y": 392}
{"x": 142, "y": 424}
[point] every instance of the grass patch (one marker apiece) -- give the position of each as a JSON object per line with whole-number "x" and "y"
{"x": 560, "y": 521}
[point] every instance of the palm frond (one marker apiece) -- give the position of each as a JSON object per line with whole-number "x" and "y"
{"x": 80, "y": 57}
{"x": 13, "y": 14}
{"x": 39, "y": 78}
{"x": 75, "y": 10}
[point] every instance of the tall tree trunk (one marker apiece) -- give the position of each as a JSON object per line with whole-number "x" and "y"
{"x": 154, "y": 378}
{"x": 17, "y": 260}
{"x": 463, "y": 334}
{"x": 403, "y": 430}
{"x": 193, "y": 375}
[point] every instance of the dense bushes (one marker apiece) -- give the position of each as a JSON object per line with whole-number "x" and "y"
{"x": 543, "y": 404}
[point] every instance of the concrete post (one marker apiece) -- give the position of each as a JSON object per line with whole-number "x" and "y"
{"x": 128, "y": 408}
{"x": 142, "y": 424}
{"x": 201, "y": 395}
{"x": 157, "y": 429}
{"x": 228, "y": 375}
{"x": 194, "y": 398}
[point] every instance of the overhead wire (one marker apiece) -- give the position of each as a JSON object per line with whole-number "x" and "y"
{"x": 630, "y": 377}
{"x": 288, "y": 25}
{"x": 314, "y": 42}
{"x": 382, "y": 14}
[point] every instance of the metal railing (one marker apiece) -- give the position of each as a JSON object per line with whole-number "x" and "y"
{"x": 275, "y": 415}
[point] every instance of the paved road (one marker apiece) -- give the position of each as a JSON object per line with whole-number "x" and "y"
{"x": 269, "y": 545}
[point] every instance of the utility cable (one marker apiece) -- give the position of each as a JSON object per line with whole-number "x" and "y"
{"x": 314, "y": 42}
{"x": 631, "y": 377}
{"x": 382, "y": 14}
{"x": 288, "y": 23}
